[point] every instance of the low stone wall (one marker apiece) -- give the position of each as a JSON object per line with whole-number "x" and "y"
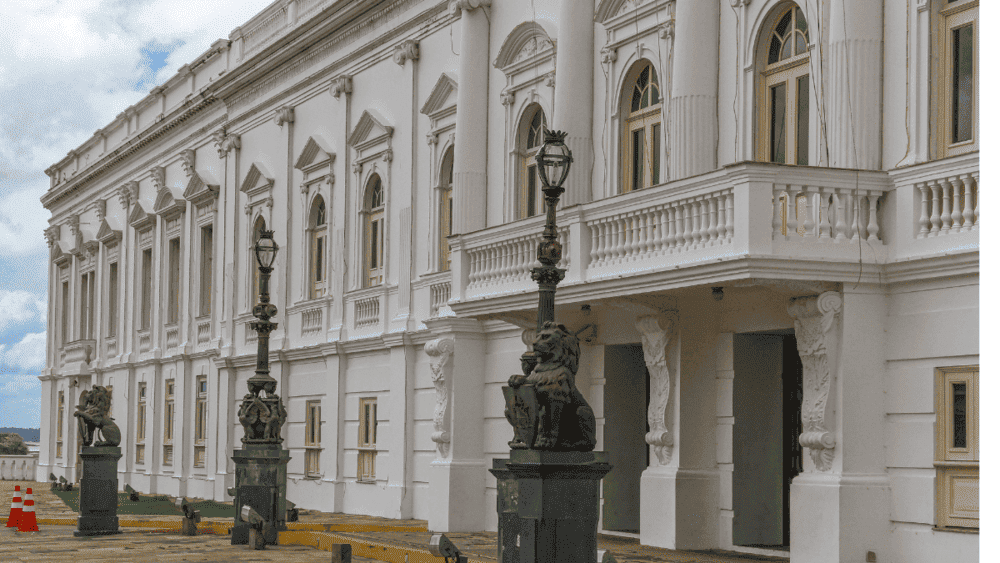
{"x": 18, "y": 467}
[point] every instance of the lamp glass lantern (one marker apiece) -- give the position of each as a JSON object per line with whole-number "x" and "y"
{"x": 266, "y": 249}
{"x": 553, "y": 159}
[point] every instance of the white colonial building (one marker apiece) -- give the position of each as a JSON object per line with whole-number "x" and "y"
{"x": 771, "y": 228}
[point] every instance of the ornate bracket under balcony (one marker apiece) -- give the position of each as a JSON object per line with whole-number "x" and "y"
{"x": 440, "y": 350}
{"x": 817, "y": 333}
{"x": 655, "y": 339}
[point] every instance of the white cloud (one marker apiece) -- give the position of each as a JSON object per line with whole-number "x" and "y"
{"x": 20, "y": 306}
{"x": 28, "y": 354}
{"x": 22, "y": 223}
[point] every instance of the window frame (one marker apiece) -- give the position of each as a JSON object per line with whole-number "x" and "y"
{"x": 446, "y": 208}
{"x": 60, "y": 421}
{"x": 952, "y": 16}
{"x": 169, "y": 414}
{"x": 789, "y": 72}
{"x": 529, "y": 184}
{"x": 646, "y": 119}
{"x": 367, "y": 438}
{"x": 173, "y": 305}
{"x": 373, "y": 251}
{"x": 113, "y": 296}
{"x": 319, "y": 249}
{"x": 200, "y": 421}
{"x": 146, "y": 273}
{"x": 140, "y": 424}
{"x": 956, "y": 467}
{"x": 206, "y": 238}
{"x": 313, "y": 438}
{"x": 87, "y": 283}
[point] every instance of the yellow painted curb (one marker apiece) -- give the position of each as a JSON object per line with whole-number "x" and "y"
{"x": 324, "y": 541}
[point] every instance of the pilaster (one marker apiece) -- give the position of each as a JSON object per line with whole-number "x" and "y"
{"x": 470, "y": 131}
{"x": 574, "y": 107}
{"x": 400, "y": 432}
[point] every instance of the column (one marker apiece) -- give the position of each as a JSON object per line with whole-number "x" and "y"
{"x": 840, "y": 503}
{"x": 679, "y": 491}
{"x": 574, "y": 107}
{"x": 458, "y": 475}
{"x": 399, "y": 436}
{"x": 470, "y": 127}
{"x": 331, "y": 409}
{"x": 855, "y": 95}
{"x": 694, "y": 124}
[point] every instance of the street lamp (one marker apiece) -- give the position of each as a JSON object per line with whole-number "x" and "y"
{"x": 265, "y": 250}
{"x": 553, "y": 159}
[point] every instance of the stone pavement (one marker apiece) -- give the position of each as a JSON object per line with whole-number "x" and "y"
{"x": 156, "y": 538}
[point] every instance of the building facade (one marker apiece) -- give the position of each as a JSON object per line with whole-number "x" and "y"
{"x": 770, "y": 238}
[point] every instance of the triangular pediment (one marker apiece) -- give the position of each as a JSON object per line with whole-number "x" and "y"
{"x": 198, "y": 191}
{"x": 166, "y": 205}
{"x": 106, "y": 234}
{"x": 317, "y": 150}
{"x": 444, "y": 95}
{"x": 59, "y": 256}
{"x": 524, "y": 42}
{"x": 138, "y": 218}
{"x": 258, "y": 179}
{"x": 371, "y": 128}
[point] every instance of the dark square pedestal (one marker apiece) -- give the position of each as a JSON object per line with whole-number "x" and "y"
{"x": 98, "y": 491}
{"x": 261, "y": 485}
{"x": 556, "y": 497}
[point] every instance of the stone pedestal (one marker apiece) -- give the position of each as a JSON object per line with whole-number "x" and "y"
{"x": 261, "y": 471}
{"x": 98, "y": 491}
{"x": 557, "y": 498}
{"x": 508, "y": 522}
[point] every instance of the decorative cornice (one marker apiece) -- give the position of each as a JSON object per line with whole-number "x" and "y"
{"x": 283, "y": 115}
{"x": 817, "y": 335}
{"x": 342, "y": 84}
{"x": 187, "y": 161}
{"x": 409, "y": 49}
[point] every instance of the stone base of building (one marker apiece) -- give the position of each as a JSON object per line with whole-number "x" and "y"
{"x": 837, "y": 517}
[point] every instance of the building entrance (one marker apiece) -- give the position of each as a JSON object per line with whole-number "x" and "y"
{"x": 767, "y": 407}
{"x": 626, "y": 396}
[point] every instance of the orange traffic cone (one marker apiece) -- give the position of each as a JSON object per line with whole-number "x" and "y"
{"x": 27, "y": 523}
{"x": 15, "y": 508}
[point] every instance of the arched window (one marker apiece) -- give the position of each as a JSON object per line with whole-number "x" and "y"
{"x": 783, "y": 95}
{"x": 446, "y": 208}
{"x": 317, "y": 249}
{"x": 530, "y": 138}
{"x": 374, "y": 213}
{"x": 643, "y": 128}
{"x": 259, "y": 227}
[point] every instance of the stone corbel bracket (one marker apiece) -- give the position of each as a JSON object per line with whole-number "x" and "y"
{"x": 407, "y": 50}
{"x": 225, "y": 142}
{"x": 341, "y": 85}
{"x": 159, "y": 176}
{"x": 283, "y": 115}
{"x": 817, "y": 334}
{"x": 656, "y": 331}
{"x": 187, "y": 161}
{"x": 440, "y": 351}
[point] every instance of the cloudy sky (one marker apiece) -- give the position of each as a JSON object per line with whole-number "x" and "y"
{"x": 68, "y": 68}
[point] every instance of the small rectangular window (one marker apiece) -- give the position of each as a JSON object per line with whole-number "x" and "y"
{"x": 957, "y": 451}
{"x": 368, "y": 425}
{"x": 113, "y": 299}
{"x": 140, "y": 426}
{"x": 168, "y": 422}
{"x": 205, "y": 281}
{"x": 312, "y": 441}
{"x": 200, "y": 420}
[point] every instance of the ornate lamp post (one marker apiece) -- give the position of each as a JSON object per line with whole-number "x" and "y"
{"x": 261, "y": 477}
{"x": 553, "y": 159}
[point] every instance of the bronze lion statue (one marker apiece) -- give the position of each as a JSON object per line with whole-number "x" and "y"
{"x": 564, "y": 420}
{"x": 94, "y": 413}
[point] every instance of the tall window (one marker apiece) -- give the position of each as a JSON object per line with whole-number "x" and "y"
{"x": 374, "y": 231}
{"x": 958, "y": 70}
{"x": 87, "y": 306}
{"x": 60, "y": 419}
{"x": 313, "y": 427}
{"x": 530, "y": 139}
{"x": 168, "y": 423}
{"x": 957, "y": 451}
{"x": 205, "y": 281}
{"x": 113, "y": 299}
{"x": 317, "y": 249}
{"x": 446, "y": 208}
{"x": 643, "y": 131}
{"x": 64, "y": 309}
{"x": 140, "y": 426}
{"x": 147, "y": 289}
{"x": 174, "y": 280}
{"x": 259, "y": 227}
{"x": 368, "y": 424}
{"x": 783, "y": 103}
{"x": 200, "y": 420}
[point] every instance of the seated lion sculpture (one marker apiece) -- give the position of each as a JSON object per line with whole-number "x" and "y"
{"x": 565, "y": 422}
{"x": 94, "y": 412}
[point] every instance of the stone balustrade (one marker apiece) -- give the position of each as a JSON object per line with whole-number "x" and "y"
{"x": 312, "y": 320}
{"x": 440, "y": 294}
{"x": 173, "y": 334}
{"x": 366, "y": 311}
{"x": 204, "y": 331}
{"x": 18, "y": 467}
{"x": 145, "y": 342}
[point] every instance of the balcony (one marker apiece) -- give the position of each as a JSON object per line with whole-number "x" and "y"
{"x": 731, "y": 224}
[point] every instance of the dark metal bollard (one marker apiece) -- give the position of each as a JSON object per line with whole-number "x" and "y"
{"x": 341, "y": 553}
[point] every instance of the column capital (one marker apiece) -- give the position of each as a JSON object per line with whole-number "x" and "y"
{"x": 455, "y": 7}
{"x": 342, "y": 84}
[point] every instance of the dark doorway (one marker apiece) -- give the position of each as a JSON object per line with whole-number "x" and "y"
{"x": 767, "y": 406}
{"x": 626, "y": 396}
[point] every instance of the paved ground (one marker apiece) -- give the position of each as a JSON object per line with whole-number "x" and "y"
{"x": 156, "y": 538}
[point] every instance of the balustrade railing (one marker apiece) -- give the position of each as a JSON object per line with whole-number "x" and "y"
{"x": 509, "y": 262}
{"x": 18, "y": 467}
{"x": 440, "y": 294}
{"x": 366, "y": 312}
{"x": 204, "y": 331}
{"x": 312, "y": 320}
{"x": 173, "y": 336}
{"x": 836, "y": 214}
{"x": 110, "y": 347}
{"x": 948, "y": 205}
{"x": 145, "y": 342}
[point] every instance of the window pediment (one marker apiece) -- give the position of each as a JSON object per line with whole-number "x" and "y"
{"x": 526, "y": 46}
{"x": 139, "y": 219}
{"x": 372, "y": 130}
{"x": 199, "y": 192}
{"x": 166, "y": 205}
{"x": 443, "y": 99}
{"x": 108, "y": 235}
{"x": 258, "y": 180}
{"x": 317, "y": 152}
